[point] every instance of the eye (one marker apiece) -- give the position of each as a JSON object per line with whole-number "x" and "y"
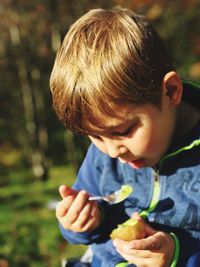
{"x": 96, "y": 137}
{"x": 126, "y": 132}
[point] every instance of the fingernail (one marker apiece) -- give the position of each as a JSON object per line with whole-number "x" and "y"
{"x": 83, "y": 192}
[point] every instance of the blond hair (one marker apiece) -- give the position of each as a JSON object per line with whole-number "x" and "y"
{"x": 108, "y": 58}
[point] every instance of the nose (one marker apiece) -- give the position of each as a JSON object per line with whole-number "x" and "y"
{"x": 115, "y": 148}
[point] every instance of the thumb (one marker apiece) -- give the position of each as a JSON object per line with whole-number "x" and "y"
{"x": 65, "y": 191}
{"x": 136, "y": 216}
{"x": 148, "y": 229}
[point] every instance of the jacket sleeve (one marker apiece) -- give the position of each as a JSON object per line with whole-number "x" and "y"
{"x": 89, "y": 178}
{"x": 189, "y": 254}
{"x": 187, "y": 248}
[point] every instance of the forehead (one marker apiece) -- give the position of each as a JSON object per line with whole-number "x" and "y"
{"x": 105, "y": 122}
{"x": 124, "y": 117}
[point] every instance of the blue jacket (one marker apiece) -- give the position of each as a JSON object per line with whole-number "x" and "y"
{"x": 173, "y": 207}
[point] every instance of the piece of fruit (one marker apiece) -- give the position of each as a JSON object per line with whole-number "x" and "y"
{"x": 129, "y": 230}
{"x": 124, "y": 192}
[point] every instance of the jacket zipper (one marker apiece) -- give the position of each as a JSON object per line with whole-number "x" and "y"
{"x": 155, "y": 196}
{"x": 156, "y": 176}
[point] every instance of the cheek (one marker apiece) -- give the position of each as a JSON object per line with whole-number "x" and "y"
{"x": 100, "y": 145}
{"x": 146, "y": 141}
{"x": 154, "y": 141}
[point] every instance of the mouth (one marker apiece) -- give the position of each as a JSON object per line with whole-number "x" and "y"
{"x": 137, "y": 164}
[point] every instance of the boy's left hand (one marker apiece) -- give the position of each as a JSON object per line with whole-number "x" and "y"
{"x": 157, "y": 249}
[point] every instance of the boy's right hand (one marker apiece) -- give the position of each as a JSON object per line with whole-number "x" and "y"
{"x": 75, "y": 212}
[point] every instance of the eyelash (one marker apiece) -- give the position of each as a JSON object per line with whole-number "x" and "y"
{"x": 97, "y": 137}
{"x": 125, "y": 133}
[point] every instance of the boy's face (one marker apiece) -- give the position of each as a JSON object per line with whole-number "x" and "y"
{"x": 141, "y": 138}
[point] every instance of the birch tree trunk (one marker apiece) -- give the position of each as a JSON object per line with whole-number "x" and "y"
{"x": 36, "y": 136}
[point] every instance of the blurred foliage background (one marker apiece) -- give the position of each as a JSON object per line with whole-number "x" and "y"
{"x": 37, "y": 153}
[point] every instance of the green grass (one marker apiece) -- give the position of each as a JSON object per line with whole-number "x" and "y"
{"x": 29, "y": 234}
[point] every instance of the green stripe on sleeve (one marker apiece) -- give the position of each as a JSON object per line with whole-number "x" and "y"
{"x": 122, "y": 264}
{"x": 176, "y": 250}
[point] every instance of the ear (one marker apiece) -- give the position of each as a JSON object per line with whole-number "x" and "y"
{"x": 172, "y": 87}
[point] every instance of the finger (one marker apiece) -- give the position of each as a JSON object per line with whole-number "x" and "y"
{"x": 77, "y": 206}
{"x": 63, "y": 206}
{"x": 137, "y": 261}
{"x": 95, "y": 211}
{"x": 86, "y": 220}
{"x": 65, "y": 191}
{"x": 153, "y": 242}
{"x": 137, "y": 257}
{"x": 94, "y": 219}
{"x": 136, "y": 216}
{"x": 95, "y": 215}
{"x": 148, "y": 229}
{"x": 90, "y": 210}
{"x": 127, "y": 248}
{"x": 84, "y": 215}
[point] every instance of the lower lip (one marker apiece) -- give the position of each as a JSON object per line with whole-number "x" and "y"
{"x": 137, "y": 164}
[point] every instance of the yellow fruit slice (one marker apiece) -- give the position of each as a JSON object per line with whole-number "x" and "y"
{"x": 125, "y": 191}
{"x": 129, "y": 230}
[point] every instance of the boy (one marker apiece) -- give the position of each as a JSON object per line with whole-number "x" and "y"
{"x": 113, "y": 80}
